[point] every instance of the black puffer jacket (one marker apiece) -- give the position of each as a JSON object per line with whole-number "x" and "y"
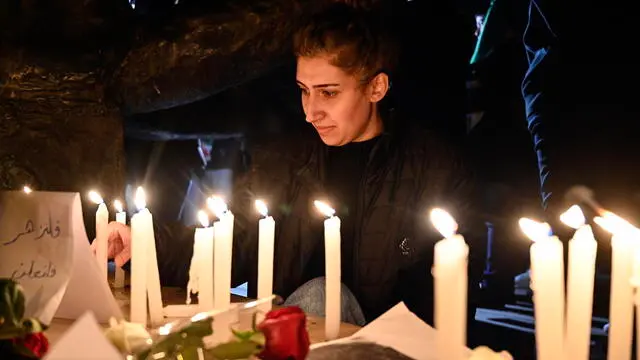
{"x": 408, "y": 173}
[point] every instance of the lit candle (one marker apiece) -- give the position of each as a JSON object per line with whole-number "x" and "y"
{"x": 623, "y": 246}
{"x": 266, "y": 231}
{"x": 547, "y": 283}
{"x": 581, "y": 272}
{"x": 121, "y": 217}
{"x": 102, "y": 220}
{"x": 450, "y": 280}
{"x": 27, "y": 189}
{"x": 203, "y": 258}
{"x": 222, "y": 253}
{"x": 333, "y": 269}
{"x": 145, "y": 279}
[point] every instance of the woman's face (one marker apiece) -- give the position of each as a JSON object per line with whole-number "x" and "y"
{"x": 338, "y": 106}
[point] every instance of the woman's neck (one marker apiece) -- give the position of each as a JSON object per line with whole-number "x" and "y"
{"x": 373, "y": 129}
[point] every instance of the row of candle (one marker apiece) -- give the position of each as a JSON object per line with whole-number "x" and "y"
{"x": 211, "y": 262}
{"x": 556, "y": 333}
{"x": 145, "y": 276}
{"x": 560, "y": 337}
{"x": 562, "y": 326}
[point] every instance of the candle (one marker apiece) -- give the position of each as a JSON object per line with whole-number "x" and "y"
{"x": 145, "y": 279}
{"x": 138, "y": 303}
{"x": 102, "y": 220}
{"x": 621, "y": 300}
{"x": 581, "y": 272}
{"x": 635, "y": 282}
{"x": 222, "y": 253}
{"x": 333, "y": 269}
{"x": 203, "y": 257}
{"x": 121, "y": 217}
{"x": 27, "y": 190}
{"x": 547, "y": 283}
{"x": 450, "y": 282}
{"x": 266, "y": 231}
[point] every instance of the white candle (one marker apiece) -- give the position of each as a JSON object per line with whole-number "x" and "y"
{"x": 121, "y": 217}
{"x": 635, "y": 282}
{"x": 333, "y": 277}
{"x": 203, "y": 257}
{"x": 266, "y": 232}
{"x": 147, "y": 284}
{"x": 450, "y": 282}
{"x": 102, "y": 220}
{"x": 623, "y": 246}
{"x": 581, "y": 272}
{"x": 138, "y": 303}
{"x": 222, "y": 253}
{"x": 547, "y": 283}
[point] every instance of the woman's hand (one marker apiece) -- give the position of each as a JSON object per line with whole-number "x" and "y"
{"x": 119, "y": 243}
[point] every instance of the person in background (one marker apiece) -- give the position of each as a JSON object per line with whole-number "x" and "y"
{"x": 381, "y": 174}
{"x": 581, "y": 92}
{"x": 502, "y": 144}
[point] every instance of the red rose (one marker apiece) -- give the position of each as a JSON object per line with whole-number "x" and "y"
{"x": 285, "y": 332}
{"x": 37, "y": 343}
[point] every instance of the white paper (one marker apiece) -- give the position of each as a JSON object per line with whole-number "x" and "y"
{"x": 85, "y": 340}
{"x": 44, "y": 247}
{"x": 399, "y": 329}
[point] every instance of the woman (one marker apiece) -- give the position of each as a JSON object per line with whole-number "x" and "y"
{"x": 381, "y": 175}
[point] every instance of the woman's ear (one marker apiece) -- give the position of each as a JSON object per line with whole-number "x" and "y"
{"x": 378, "y": 87}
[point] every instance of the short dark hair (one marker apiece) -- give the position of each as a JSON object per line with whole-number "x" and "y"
{"x": 356, "y": 40}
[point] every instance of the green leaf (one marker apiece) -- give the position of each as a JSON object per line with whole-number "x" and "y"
{"x": 243, "y": 335}
{"x": 235, "y": 350}
{"x": 182, "y": 343}
{"x": 12, "y": 303}
{"x": 258, "y": 338}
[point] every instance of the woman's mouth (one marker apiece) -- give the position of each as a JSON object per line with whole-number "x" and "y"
{"x": 323, "y": 130}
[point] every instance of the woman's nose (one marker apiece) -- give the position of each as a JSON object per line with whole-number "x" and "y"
{"x": 311, "y": 110}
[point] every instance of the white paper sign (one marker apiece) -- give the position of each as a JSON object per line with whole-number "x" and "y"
{"x": 44, "y": 247}
{"x": 84, "y": 340}
{"x": 399, "y": 329}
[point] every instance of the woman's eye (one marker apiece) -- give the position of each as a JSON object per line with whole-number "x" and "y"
{"x": 304, "y": 91}
{"x": 327, "y": 93}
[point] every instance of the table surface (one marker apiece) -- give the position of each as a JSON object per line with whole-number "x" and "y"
{"x": 175, "y": 296}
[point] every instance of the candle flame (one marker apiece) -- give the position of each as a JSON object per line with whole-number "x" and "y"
{"x": 217, "y": 205}
{"x": 324, "y": 208}
{"x": 141, "y": 198}
{"x": 534, "y": 230}
{"x": 203, "y": 218}
{"x": 573, "y": 217}
{"x": 261, "y": 206}
{"x": 614, "y": 223}
{"x": 117, "y": 204}
{"x": 95, "y": 197}
{"x": 27, "y": 189}
{"x": 443, "y": 222}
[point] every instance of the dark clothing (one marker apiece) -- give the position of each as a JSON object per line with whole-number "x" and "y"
{"x": 405, "y": 174}
{"x": 346, "y": 167}
{"x": 581, "y": 93}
